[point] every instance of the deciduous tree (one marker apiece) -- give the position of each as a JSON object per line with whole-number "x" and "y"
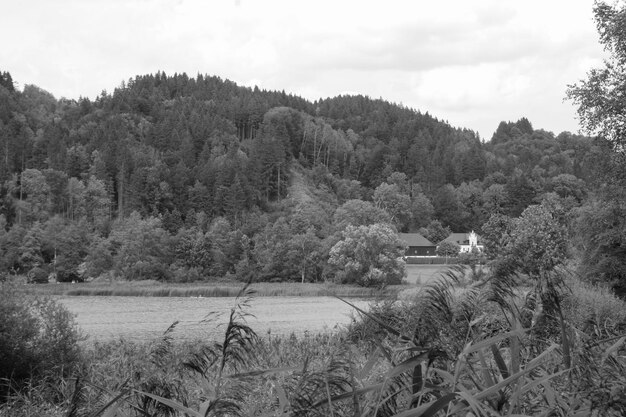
{"x": 369, "y": 255}
{"x": 447, "y": 249}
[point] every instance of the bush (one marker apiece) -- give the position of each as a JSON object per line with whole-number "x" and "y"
{"x": 183, "y": 274}
{"x": 38, "y": 338}
{"x": 37, "y": 275}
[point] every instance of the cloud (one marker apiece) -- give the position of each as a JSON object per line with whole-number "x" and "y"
{"x": 472, "y": 63}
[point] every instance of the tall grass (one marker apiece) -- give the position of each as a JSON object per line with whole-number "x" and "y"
{"x": 489, "y": 350}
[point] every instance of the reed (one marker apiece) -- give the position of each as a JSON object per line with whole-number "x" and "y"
{"x": 482, "y": 350}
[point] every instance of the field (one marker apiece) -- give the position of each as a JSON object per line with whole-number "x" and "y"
{"x": 423, "y": 274}
{"x": 145, "y": 318}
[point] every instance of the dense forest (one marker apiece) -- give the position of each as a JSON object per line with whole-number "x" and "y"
{"x": 184, "y": 178}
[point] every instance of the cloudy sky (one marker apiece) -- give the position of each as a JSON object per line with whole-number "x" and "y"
{"x": 472, "y": 63}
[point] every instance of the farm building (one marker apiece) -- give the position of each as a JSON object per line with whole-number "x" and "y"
{"x": 417, "y": 244}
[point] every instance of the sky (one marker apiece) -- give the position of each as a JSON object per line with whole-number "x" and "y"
{"x": 470, "y": 63}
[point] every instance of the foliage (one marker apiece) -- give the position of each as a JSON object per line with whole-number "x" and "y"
{"x": 30, "y": 249}
{"x": 369, "y": 255}
{"x": 393, "y": 201}
{"x": 141, "y": 247}
{"x": 475, "y": 259}
{"x": 435, "y": 232}
{"x": 600, "y": 222}
{"x": 38, "y": 338}
{"x": 446, "y": 248}
{"x": 359, "y": 213}
{"x": 496, "y": 233}
{"x": 66, "y": 243}
{"x": 600, "y": 227}
{"x": 174, "y": 149}
{"x": 599, "y": 109}
{"x": 537, "y": 242}
{"x": 422, "y": 210}
{"x": 447, "y": 350}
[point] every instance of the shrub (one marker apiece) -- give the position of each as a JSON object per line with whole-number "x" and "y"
{"x": 38, "y": 338}
{"x": 369, "y": 256}
{"x": 37, "y": 275}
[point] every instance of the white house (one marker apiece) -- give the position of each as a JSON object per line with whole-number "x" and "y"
{"x": 466, "y": 241}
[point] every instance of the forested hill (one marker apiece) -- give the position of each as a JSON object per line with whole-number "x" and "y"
{"x": 185, "y": 155}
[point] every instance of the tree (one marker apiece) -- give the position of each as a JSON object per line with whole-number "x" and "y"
{"x": 496, "y": 234}
{"x": 76, "y": 196}
{"x": 399, "y": 179}
{"x": 34, "y": 192}
{"x": 67, "y": 243}
{"x": 567, "y": 185}
{"x": 520, "y": 193}
{"x": 447, "y": 207}
{"x": 193, "y": 249}
{"x": 6, "y": 81}
{"x": 600, "y": 239}
{"x": 435, "y": 232}
{"x": 537, "y": 242}
{"x": 40, "y": 339}
{"x": 494, "y": 199}
{"x": 359, "y": 213}
{"x": 422, "y": 211}
{"x": 393, "y": 201}
{"x": 601, "y": 108}
{"x": 97, "y": 203}
{"x": 10, "y": 243}
{"x": 602, "y": 111}
{"x": 470, "y": 197}
{"x": 225, "y": 247}
{"x": 369, "y": 255}
{"x": 99, "y": 257}
{"x": 141, "y": 247}
{"x": 271, "y": 249}
{"x": 305, "y": 251}
{"x": 447, "y": 249}
{"x": 30, "y": 249}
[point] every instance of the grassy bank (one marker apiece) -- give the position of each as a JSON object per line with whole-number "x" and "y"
{"x": 223, "y": 289}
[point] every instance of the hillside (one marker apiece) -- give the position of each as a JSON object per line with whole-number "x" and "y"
{"x": 181, "y": 178}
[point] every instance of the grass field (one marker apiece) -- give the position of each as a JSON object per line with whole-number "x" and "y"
{"x": 423, "y": 274}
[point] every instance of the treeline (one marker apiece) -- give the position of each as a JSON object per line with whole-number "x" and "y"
{"x": 176, "y": 177}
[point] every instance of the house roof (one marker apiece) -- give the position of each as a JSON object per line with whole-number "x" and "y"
{"x": 461, "y": 238}
{"x": 415, "y": 239}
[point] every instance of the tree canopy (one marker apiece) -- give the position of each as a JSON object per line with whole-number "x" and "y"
{"x": 178, "y": 177}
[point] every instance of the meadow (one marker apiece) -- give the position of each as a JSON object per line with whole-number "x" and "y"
{"x": 423, "y": 274}
{"x": 138, "y": 319}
